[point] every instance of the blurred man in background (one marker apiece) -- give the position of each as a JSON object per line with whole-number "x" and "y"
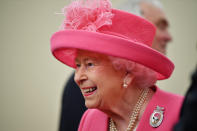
{"x": 73, "y": 102}
{"x": 152, "y": 10}
{"x": 158, "y": 18}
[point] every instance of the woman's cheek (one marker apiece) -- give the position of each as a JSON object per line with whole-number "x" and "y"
{"x": 99, "y": 70}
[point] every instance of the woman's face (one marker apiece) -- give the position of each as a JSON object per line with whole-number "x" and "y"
{"x": 99, "y": 81}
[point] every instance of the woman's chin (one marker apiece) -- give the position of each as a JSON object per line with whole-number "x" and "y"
{"x": 90, "y": 105}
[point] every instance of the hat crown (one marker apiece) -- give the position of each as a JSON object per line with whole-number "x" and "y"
{"x": 131, "y": 27}
{"x": 98, "y": 16}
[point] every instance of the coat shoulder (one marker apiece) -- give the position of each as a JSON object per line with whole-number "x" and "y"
{"x": 93, "y": 119}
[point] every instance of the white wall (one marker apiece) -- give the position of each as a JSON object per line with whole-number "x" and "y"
{"x": 31, "y": 80}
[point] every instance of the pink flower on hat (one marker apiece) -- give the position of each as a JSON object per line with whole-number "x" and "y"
{"x": 87, "y": 15}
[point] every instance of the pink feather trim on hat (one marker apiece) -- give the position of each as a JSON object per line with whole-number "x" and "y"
{"x": 87, "y": 15}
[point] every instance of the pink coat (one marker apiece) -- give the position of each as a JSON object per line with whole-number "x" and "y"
{"x": 95, "y": 120}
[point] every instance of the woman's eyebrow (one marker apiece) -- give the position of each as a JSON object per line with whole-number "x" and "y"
{"x": 76, "y": 60}
{"x": 83, "y": 59}
{"x": 90, "y": 58}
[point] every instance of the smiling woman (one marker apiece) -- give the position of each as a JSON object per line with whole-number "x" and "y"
{"x": 101, "y": 78}
{"x": 116, "y": 69}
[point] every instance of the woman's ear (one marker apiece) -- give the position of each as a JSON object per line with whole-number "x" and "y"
{"x": 127, "y": 80}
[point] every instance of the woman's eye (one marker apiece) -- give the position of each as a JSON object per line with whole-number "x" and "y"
{"x": 90, "y": 64}
{"x": 78, "y": 65}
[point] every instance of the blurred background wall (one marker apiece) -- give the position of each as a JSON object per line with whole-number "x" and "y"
{"x": 32, "y": 81}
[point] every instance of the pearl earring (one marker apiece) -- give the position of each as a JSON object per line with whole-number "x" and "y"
{"x": 125, "y": 85}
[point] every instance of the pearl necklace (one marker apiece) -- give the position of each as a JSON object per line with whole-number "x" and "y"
{"x": 135, "y": 112}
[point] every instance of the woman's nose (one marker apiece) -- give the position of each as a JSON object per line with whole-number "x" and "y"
{"x": 80, "y": 76}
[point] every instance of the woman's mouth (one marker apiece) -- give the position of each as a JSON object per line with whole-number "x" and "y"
{"x": 88, "y": 90}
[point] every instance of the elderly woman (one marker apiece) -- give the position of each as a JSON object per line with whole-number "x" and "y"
{"x": 115, "y": 68}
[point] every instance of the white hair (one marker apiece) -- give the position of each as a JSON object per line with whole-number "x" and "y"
{"x": 133, "y": 6}
{"x": 143, "y": 76}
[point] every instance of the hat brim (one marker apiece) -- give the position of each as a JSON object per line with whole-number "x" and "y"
{"x": 64, "y": 44}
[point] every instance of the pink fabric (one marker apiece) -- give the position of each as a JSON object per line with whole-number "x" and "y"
{"x": 95, "y": 120}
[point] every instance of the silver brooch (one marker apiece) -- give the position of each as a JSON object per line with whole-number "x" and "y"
{"x": 157, "y": 117}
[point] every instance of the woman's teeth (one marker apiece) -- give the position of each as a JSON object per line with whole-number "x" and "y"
{"x": 88, "y": 90}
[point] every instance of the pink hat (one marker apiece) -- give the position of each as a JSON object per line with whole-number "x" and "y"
{"x": 95, "y": 26}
